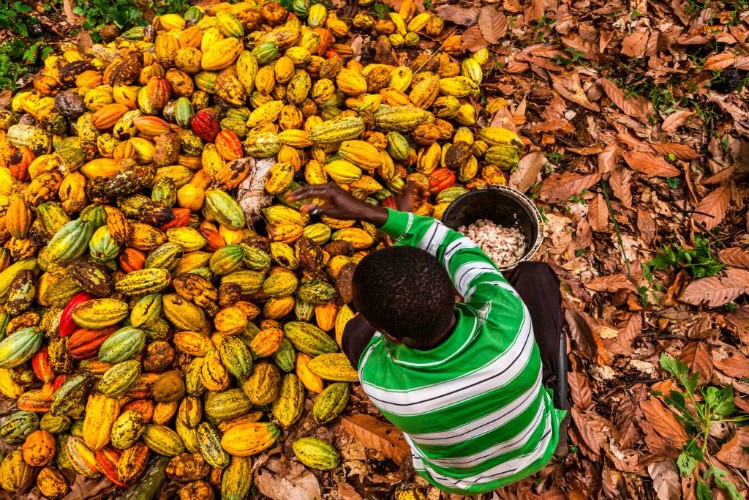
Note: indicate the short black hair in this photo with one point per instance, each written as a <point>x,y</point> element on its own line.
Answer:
<point>405,292</point>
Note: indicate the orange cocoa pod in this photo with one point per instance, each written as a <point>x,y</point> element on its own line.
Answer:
<point>107,458</point>
<point>325,315</point>
<point>133,462</point>
<point>151,125</point>
<point>20,160</point>
<point>131,260</point>
<point>145,407</point>
<point>84,343</point>
<point>106,116</point>
<point>210,233</point>
<point>181,218</point>
<point>229,145</point>
<point>39,448</point>
<point>36,400</point>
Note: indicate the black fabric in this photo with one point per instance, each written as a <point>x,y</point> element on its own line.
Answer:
<point>538,286</point>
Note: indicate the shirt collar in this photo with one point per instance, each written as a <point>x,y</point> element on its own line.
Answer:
<point>467,326</point>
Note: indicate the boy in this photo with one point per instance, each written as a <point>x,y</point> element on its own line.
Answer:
<point>463,381</point>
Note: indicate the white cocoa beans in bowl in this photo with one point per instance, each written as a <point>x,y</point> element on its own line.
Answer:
<point>504,245</point>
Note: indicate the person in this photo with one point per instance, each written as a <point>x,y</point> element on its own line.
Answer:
<point>464,381</point>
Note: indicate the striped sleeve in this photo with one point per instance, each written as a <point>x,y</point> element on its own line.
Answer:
<point>473,273</point>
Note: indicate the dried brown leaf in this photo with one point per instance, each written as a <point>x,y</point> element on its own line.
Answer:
<point>378,435</point>
<point>733,452</point>
<point>719,61</point>
<point>5,97</point>
<point>592,429</point>
<point>585,336</point>
<point>712,209</point>
<point>612,283</point>
<point>628,329</point>
<point>739,317</point>
<point>664,422</point>
<point>680,151</point>
<point>731,362</point>
<point>735,257</point>
<point>568,86</point>
<point>458,15</point>
<point>558,187</point>
<point>635,44</point>
<point>347,492</point>
<point>527,172</point>
<point>473,40</point>
<point>676,120</point>
<point>84,41</point>
<point>719,177</point>
<point>713,291</point>
<point>650,164</point>
<point>598,213</point>
<point>621,185</point>
<point>697,356</point>
<point>607,159</point>
<point>646,224</point>
<point>535,10</point>
<point>492,23</point>
<point>582,396</point>
<point>281,482</point>
<point>665,478</point>
<point>67,9</point>
<point>554,125</point>
<point>629,106</point>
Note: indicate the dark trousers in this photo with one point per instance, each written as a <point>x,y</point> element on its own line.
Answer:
<point>538,286</point>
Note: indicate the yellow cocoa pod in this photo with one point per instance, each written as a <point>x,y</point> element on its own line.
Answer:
<point>250,438</point>
<point>358,238</point>
<point>101,412</point>
<point>264,384</point>
<point>221,54</point>
<point>310,380</point>
<point>213,374</point>
<point>333,366</point>
<point>278,307</point>
<point>343,171</point>
<point>351,82</point>
<point>345,314</point>
<point>230,321</point>
<point>425,92</point>
<point>279,178</point>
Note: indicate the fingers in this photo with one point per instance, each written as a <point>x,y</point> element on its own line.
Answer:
<point>409,187</point>
<point>312,191</point>
<point>313,209</point>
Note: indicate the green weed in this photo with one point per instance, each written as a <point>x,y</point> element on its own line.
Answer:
<point>698,409</point>
<point>698,261</point>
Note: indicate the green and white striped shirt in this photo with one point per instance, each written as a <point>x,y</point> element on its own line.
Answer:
<point>473,409</point>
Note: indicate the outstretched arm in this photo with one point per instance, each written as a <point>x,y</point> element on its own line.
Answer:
<point>473,273</point>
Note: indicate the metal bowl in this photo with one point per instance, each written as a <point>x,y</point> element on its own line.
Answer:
<point>502,205</point>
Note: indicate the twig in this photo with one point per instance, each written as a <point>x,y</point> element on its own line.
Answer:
<point>427,61</point>
<point>604,188</point>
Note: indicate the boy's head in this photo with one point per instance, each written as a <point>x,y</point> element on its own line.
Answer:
<point>406,293</point>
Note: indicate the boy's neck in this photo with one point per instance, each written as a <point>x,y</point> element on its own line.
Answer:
<point>438,340</point>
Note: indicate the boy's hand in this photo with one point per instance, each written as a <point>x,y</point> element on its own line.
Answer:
<point>333,201</point>
<point>404,201</point>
